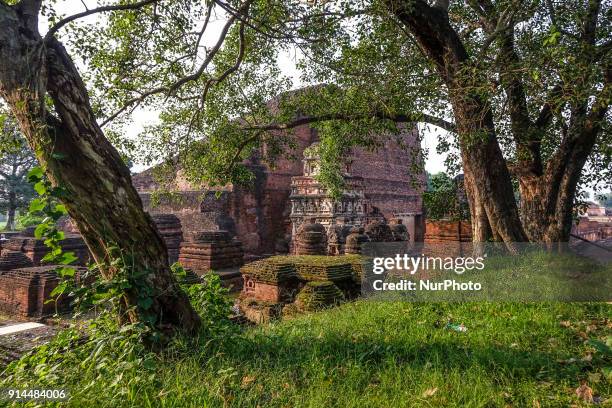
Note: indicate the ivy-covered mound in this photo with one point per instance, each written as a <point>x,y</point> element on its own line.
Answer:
<point>306,268</point>
<point>309,282</point>
<point>319,295</point>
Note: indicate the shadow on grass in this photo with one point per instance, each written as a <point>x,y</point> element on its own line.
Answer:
<point>287,353</point>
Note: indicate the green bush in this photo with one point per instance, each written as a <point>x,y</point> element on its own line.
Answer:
<point>28,220</point>
<point>442,199</point>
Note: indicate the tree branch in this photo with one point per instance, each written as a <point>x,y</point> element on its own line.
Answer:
<point>230,70</point>
<point>170,89</point>
<point>399,118</point>
<point>550,106</point>
<point>102,9</point>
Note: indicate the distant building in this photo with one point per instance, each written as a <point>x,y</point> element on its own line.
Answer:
<point>595,210</point>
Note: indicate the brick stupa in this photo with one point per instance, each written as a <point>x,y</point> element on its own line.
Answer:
<point>169,226</point>
<point>211,250</point>
<point>35,248</point>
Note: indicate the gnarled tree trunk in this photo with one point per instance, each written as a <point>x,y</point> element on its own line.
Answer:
<point>487,179</point>
<point>76,155</point>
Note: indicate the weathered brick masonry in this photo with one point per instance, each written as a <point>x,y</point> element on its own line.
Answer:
<point>259,215</point>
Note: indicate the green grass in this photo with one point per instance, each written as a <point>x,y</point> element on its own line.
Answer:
<point>383,354</point>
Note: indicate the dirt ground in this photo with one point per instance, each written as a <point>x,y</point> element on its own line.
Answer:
<point>12,346</point>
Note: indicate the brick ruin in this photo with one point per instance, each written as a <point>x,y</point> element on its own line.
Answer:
<point>284,285</point>
<point>213,250</point>
<point>381,185</point>
<point>311,202</point>
<point>25,282</point>
<point>220,229</point>
<point>171,231</point>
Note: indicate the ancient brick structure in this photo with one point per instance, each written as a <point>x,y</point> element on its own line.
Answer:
<point>12,260</point>
<point>336,238</point>
<point>311,239</point>
<point>169,226</point>
<point>593,230</point>
<point>379,231</point>
<point>311,200</point>
<point>24,291</point>
<point>399,230</point>
<point>211,250</point>
<point>288,284</point>
<point>447,238</point>
<point>355,240</point>
<point>260,213</point>
<point>447,231</point>
<point>35,249</point>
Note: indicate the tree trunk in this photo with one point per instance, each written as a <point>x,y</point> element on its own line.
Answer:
<point>481,229</point>
<point>488,183</point>
<point>71,147</point>
<point>10,212</point>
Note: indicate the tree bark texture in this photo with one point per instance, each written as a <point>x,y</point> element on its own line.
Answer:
<point>72,148</point>
<point>487,179</point>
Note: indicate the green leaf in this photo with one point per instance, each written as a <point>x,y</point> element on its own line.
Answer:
<point>59,289</point>
<point>66,272</point>
<point>67,258</point>
<point>61,208</point>
<point>40,230</point>
<point>35,175</point>
<point>40,187</point>
<point>37,205</point>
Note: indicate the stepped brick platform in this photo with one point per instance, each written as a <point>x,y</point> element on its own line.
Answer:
<point>170,228</point>
<point>211,250</point>
<point>12,260</point>
<point>24,291</point>
<point>278,284</point>
<point>35,249</point>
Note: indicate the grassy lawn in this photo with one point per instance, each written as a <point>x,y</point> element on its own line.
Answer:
<point>386,354</point>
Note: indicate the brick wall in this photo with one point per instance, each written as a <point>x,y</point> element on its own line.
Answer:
<point>261,211</point>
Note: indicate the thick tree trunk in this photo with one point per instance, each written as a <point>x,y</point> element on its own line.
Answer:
<point>488,183</point>
<point>491,190</point>
<point>76,155</point>
<point>10,212</point>
<point>481,229</point>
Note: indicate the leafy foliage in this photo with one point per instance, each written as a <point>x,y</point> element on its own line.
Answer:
<point>444,199</point>
<point>211,301</point>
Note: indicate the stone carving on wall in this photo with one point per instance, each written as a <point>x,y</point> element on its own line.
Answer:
<point>310,200</point>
